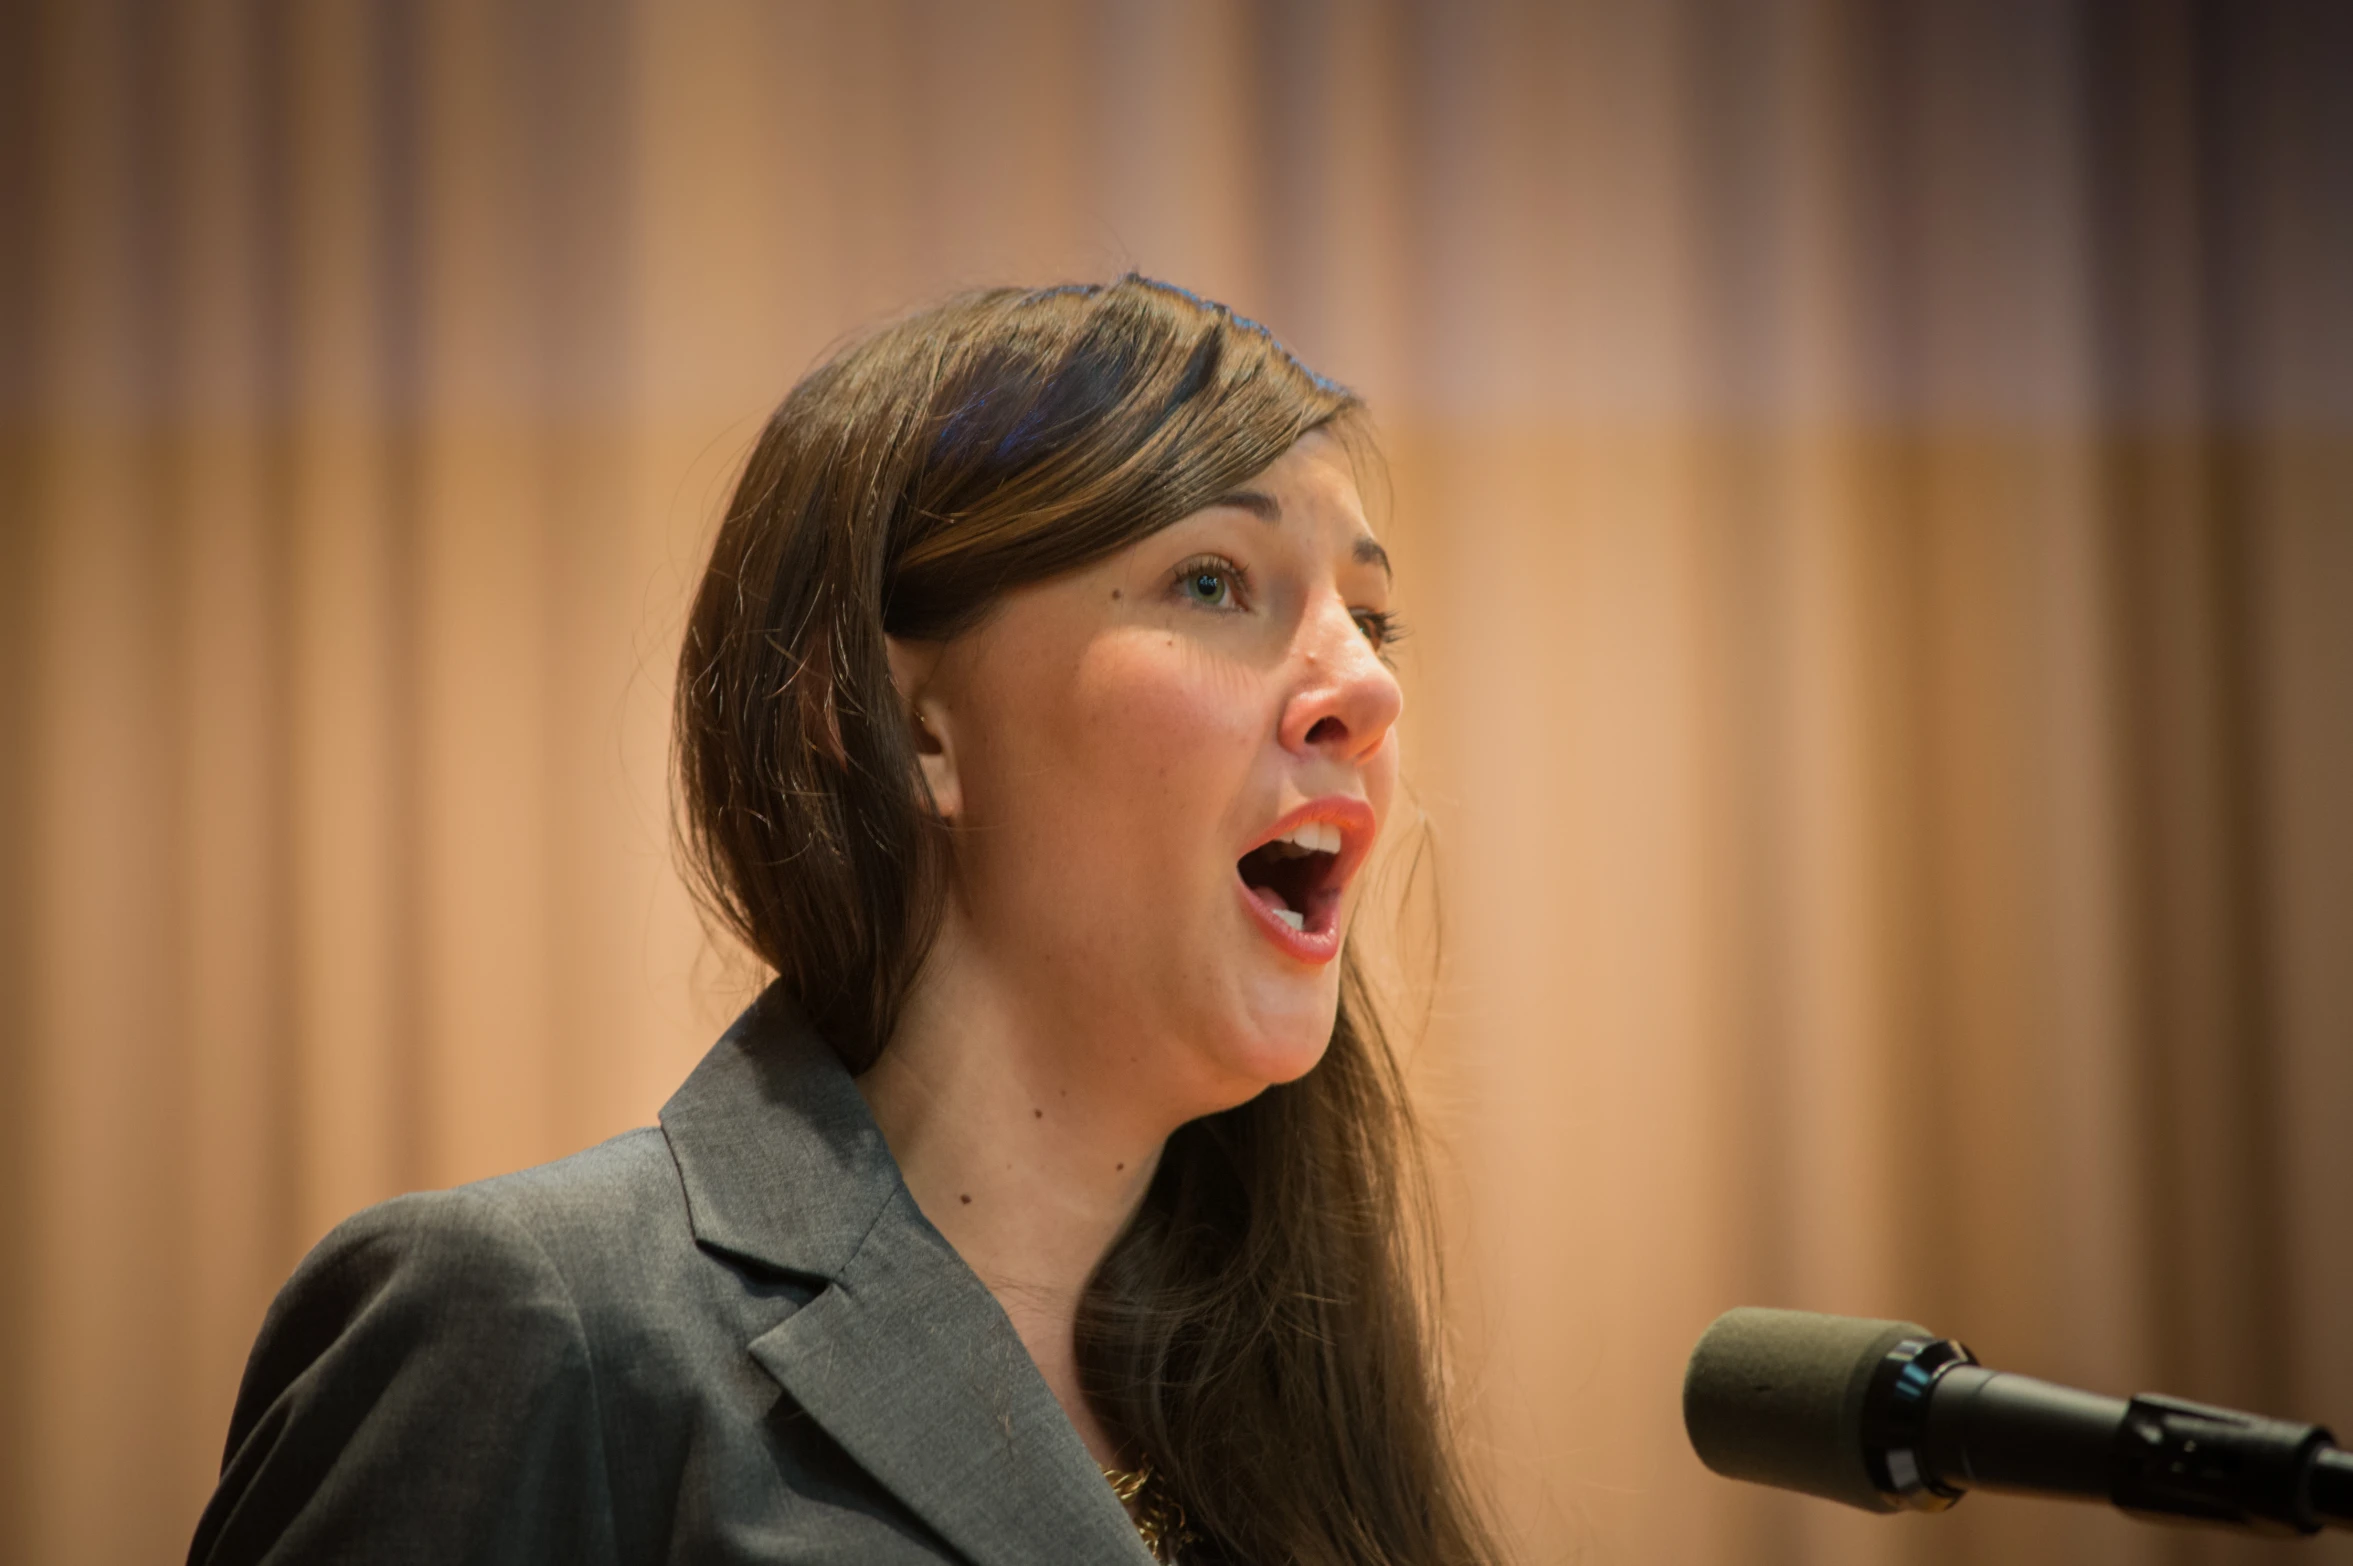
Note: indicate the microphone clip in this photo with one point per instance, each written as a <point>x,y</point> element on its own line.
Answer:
<point>2178,1460</point>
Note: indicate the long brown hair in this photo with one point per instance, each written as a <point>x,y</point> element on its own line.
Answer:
<point>1261,1330</point>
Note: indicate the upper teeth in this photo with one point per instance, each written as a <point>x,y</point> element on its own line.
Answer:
<point>1313,837</point>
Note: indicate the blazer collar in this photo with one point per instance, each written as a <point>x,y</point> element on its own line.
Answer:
<point>782,1164</point>
<point>905,1357</point>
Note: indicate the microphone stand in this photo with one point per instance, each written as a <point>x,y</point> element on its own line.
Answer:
<point>1936,1423</point>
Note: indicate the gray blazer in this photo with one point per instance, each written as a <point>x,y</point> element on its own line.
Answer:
<point>734,1338</point>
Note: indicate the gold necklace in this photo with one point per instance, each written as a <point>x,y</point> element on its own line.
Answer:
<point>1159,1520</point>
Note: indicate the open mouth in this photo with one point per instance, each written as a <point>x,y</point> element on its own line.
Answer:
<point>1295,876</point>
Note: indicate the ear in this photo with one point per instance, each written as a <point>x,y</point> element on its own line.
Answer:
<point>913,665</point>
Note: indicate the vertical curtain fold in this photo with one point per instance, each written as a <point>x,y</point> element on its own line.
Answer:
<point>1871,483</point>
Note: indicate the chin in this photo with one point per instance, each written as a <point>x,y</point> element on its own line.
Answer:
<point>1280,1044</point>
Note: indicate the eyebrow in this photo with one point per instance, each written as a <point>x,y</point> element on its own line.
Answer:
<point>1257,502</point>
<point>1266,508</point>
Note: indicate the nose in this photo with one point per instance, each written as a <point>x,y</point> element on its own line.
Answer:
<point>1347,699</point>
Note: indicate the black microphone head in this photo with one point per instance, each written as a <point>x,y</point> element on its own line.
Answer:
<point>1776,1397</point>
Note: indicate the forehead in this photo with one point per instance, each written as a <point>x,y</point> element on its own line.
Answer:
<point>1318,470</point>
<point>1311,485</point>
<point>1312,490</point>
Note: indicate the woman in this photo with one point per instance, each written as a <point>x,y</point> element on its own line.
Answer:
<point>1032,725</point>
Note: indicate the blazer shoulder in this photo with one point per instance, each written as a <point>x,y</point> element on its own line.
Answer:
<point>422,1388</point>
<point>532,1236</point>
<point>429,1261</point>
<point>592,1198</point>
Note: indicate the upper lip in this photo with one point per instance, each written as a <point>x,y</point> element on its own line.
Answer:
<point>1351,815</point>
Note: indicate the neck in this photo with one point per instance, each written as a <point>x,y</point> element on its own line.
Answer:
<point>1023,1145</point>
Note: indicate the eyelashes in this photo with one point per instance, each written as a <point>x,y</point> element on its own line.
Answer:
<point>1381,627</point>
<point>1217,583</point>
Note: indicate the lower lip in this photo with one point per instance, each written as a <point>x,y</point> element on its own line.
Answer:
<point>1319,943</point>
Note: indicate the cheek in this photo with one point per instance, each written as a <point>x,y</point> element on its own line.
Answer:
<point>1380,777</point>
<point>1120,780</point>
<point>1164,738</point>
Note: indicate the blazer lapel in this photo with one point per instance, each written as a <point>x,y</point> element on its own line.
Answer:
<point>905,1357</point>
<point>910,1364</point>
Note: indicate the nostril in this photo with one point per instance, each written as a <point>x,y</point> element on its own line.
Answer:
<point>1327,731</point>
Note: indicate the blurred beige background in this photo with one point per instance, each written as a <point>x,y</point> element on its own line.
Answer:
<point>1874,486</point>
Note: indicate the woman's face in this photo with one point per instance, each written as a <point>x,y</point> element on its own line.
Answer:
<point>1162,772</point>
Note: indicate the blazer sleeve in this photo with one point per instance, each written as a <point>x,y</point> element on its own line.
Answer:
<point>422,1391</point>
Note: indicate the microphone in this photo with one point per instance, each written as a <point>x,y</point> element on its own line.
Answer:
<point>1887,1416</point>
